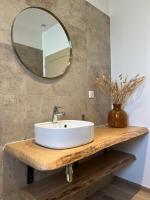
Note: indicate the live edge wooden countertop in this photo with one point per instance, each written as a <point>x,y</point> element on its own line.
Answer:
<point>45,159</point>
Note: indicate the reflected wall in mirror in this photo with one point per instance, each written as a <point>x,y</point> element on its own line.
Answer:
<point>41,42</point>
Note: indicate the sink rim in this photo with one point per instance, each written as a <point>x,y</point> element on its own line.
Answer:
<point>82,125</point>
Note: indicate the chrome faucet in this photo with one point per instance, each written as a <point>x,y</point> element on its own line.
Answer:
<point>56,113</point>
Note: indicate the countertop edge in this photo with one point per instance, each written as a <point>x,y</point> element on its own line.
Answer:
<point>69,158</point>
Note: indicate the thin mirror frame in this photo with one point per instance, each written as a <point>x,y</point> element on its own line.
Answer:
<point>67,35</point>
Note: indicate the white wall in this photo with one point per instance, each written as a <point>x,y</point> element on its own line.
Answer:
<point>103,5</point>
<point>28,37</point>
<point>54,40</point>
<point>130,54</point>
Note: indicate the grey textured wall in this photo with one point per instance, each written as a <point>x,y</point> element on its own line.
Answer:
<point>26,99</point>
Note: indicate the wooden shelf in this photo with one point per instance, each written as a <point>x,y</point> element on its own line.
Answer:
<point>87,173</point>
<point>45,159</point>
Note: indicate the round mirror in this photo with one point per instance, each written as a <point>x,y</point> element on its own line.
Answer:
<point>41,42</point>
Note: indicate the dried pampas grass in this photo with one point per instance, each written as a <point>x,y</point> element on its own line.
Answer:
<point>120,89</point>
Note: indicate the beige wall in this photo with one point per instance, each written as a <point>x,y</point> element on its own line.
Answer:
<point>103,5</point>
<point>26,99</point>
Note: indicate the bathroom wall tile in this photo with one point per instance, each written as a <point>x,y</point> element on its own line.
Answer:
<point>8,58</point>
<point>8,13</point>
<point>15,172</point>
<point>73,11</point>
<point>98,60</point>
<point>26,99</point>
<point>42,3</point>
<point>69,11</point>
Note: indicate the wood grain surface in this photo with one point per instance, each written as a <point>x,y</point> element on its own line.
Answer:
<point>87,173</point>
<point>45,159</point>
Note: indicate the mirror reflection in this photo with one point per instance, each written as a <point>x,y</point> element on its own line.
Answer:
<point>41,42</point>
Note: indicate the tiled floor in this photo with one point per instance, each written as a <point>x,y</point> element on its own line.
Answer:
<point>120,190</point>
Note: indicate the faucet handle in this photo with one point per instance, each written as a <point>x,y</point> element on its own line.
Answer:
<point>56,108</point>
<point>56,113</point>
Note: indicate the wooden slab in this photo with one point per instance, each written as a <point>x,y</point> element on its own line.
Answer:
<point>45,159</point>
<point>86,174</point>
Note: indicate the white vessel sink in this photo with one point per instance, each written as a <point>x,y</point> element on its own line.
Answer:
<point>64,134</point>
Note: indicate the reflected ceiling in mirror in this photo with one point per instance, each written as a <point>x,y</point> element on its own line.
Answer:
<point>41,42</point>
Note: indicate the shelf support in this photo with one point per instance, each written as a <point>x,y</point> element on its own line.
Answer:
<point>30,175</point>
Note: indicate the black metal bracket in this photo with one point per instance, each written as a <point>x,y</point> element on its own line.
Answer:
<point>76,164</point>
<point>106,150</point>
<point>30,175</point>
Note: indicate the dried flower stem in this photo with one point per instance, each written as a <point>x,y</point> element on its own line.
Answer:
<point>120,89</point>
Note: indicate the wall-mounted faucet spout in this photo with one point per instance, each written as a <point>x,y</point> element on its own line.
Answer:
<point>69,173</point>
<point>56,113</point>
